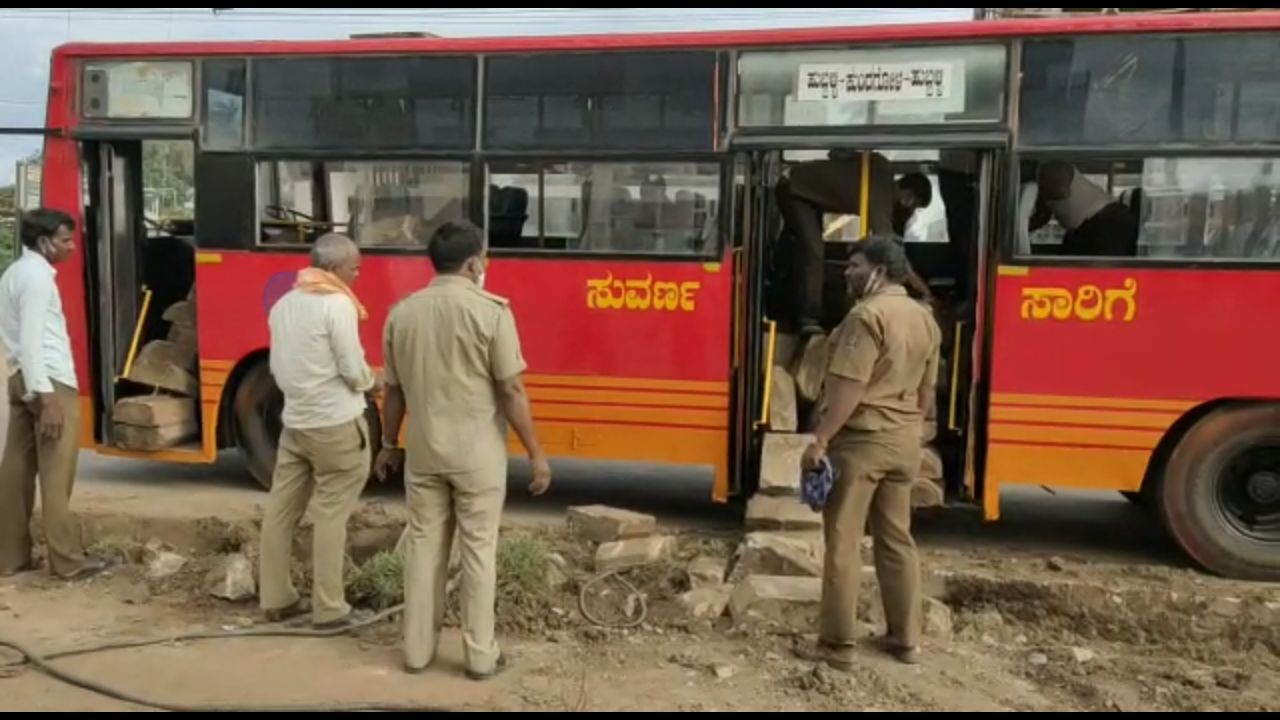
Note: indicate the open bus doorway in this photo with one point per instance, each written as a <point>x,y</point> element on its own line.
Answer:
<point>140,254</point>
<point>946,238</point>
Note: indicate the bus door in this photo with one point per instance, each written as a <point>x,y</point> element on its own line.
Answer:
<point>952,267</point>
<point>140,256</point>
<point>756,333</point>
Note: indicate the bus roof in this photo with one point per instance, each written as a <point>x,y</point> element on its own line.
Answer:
<point>924,32</point>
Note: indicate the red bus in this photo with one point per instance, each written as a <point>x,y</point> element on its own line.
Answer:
<point>625,182</point>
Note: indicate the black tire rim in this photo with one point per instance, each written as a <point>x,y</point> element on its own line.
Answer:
<point>1247,498</point>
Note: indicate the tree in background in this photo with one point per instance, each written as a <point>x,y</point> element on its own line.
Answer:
<point>8,222</point>
<point>168,177</point>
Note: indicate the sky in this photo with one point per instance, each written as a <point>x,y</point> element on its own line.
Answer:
<point>28,35</point>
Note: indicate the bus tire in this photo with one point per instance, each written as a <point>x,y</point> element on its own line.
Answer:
<point>1224,471</point>
<point>257,406</point>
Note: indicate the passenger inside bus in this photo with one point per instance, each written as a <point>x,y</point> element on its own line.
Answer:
<point>809,189</point>
<point>1096,224</point>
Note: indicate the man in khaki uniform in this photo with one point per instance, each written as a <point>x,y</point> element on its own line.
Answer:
<point>43,437</point>
<point>323,460</point>
<point>880,382</point>
<point>452,359</point>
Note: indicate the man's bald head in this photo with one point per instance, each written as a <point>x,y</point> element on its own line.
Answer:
<point>337,254</point>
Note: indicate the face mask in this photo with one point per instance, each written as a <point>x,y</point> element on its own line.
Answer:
<point>479,274</point>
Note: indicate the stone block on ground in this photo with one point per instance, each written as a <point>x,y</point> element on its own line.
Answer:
<point>706,603</point>
<point>783,409</point>
<point>602,524</point>
<point>232,578</point>
<point>771,512</point>
<point>761,597</point>
<point>706,571</point>
<point>794,554</point>
<point>634,552</point>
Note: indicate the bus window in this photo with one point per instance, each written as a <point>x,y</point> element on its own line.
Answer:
<point>609,100</point>
<point>378,204</point>
<point>1109,90</point>
<point>1193,208</point>
<point>605,207</point>
<point>396,204</point>
<point>368,103</point>
<point>286,201</point>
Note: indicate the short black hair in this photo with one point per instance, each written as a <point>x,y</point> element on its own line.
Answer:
<point>44,223</point>
<point>453,244</point>
<point>886,251</point>
<point>919,185</point>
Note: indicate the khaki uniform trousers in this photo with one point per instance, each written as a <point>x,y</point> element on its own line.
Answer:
<point>469,503</point>
<point>26,457</point>
<point>876,471</point>
<point>326,469</point>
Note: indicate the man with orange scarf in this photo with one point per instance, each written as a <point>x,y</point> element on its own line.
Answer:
<point>324,455</point>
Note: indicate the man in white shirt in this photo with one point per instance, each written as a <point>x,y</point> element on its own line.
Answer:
<point>44,406</point>
<point>324,456</point>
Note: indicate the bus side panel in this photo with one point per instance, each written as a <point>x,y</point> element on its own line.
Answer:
<point>61,190</point>
<point>627,360</point>
<point>1091,366</point>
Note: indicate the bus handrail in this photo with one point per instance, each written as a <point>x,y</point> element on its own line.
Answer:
<point>771,348</point>
<point>137,333</point>
<point>955,376</point>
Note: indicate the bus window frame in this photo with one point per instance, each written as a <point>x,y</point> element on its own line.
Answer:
<point>82,65</point>
<point>252,111</point>
<point>713,252</point>
<point>467,159</point>
<point>1017,70</point>
<point>1007,246</point>
<point>1007,214</point>
<point>592,115</point>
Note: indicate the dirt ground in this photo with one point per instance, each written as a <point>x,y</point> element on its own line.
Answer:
<point>1018,633</point>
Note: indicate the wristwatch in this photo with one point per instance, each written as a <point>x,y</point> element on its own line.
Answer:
<point>391,444</point>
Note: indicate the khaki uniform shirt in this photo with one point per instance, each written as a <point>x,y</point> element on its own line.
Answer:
<point>890,343</point>
<point>835,186</point>
<point>446,347</point>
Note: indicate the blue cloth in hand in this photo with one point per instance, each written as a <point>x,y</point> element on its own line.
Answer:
<point>816,484</point>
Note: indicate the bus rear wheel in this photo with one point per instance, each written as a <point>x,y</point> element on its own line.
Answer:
<point>258,406</point>
<point>1220,494</point>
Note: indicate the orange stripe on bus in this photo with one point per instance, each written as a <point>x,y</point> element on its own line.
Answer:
<point>1064,436</point>
<point>1081,417</point>
<point>1081,401</point>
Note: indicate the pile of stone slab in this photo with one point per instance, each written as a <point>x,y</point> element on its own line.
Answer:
<point>775,571</point>
<point>168,415</point>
